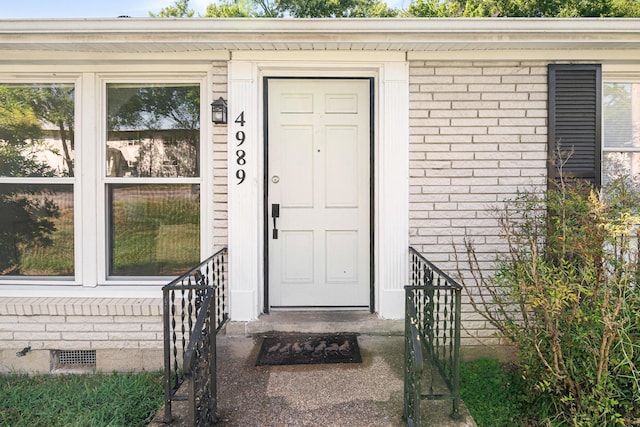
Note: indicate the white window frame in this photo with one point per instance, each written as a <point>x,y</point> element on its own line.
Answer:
<point>75,80</point>
<point>104,181</point>
<point>616,74</point>
<point>90,216</point>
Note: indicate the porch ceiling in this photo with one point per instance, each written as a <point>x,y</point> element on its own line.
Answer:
<point>153,35</point>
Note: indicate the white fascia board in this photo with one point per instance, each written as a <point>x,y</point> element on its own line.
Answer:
<point>500,32</point>
<point>566,55</point>
<point>198,57</point>
<point>328,25</point>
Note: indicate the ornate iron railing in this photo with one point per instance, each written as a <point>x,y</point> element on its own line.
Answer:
<point>195,307</point>
<point>432,337</point>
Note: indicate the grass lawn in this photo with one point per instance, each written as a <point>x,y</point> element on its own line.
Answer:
<point>119,399</point>
<point>493,393</point>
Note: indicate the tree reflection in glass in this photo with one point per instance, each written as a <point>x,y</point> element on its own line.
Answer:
<point>153,130</point>
<point>36,144</point>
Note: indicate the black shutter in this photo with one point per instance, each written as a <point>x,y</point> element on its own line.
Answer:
<point>575,109</point>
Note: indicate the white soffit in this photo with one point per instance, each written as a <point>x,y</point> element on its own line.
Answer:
<point>158,35</point>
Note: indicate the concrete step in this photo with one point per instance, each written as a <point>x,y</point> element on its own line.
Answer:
<point>309,321</point>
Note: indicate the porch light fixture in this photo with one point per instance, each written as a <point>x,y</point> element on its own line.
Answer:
<point>219,111</point>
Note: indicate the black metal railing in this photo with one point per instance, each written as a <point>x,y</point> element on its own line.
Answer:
<point>195,307</point>
<point>432,337</point>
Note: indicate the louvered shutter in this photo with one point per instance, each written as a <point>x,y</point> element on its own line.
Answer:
<point>575,106</point>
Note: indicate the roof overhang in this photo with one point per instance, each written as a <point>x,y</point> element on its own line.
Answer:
<point>159,35</point>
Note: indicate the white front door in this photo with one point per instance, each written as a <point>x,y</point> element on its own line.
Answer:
<point>318,177</point>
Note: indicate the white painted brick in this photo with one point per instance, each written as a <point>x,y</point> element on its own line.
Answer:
<point>485,181</point>
<point>465,71</point>
<point>502,113</point>
<point>457,96</point>
<point>487,88</point>
<point>497,138</point>
<point>530,105</point>
<point>133,336</point>
<point>511,130</point>
<point>526,79</point>
<point>442,88</point>
<point>520,97</point>
<point>490,81</point>
<point>521,87</point>
<point>8,319</point>
<point>475,148</point>
<point>523,122</point>
<point>117,327</point>
<point>84,336</point>
<point>113,344</point>
<point>452,156</point>
<point>19,327</point>
<point>474,122</point>
<point>466,130</point>
<point>36,336</point>
<point>503,72</point>
<point>432,105</point>
<point>77,327</point>
<point>473,165</point>
<point>89,319</point>
<point>447,139</point>
<point>479,105</point>
<point>432,80</point>
<point>37,319</point>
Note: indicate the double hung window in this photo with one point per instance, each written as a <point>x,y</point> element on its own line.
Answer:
<point>621,125</point>
<point>37,180</point>
<point>152,184</point>
<point>100,188</point>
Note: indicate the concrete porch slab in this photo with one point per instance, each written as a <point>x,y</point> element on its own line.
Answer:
<point>360,322</point>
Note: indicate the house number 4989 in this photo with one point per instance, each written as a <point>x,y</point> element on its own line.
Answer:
<point>241,160</point>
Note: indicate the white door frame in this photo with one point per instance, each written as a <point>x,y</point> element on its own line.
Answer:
<point>391,168</point>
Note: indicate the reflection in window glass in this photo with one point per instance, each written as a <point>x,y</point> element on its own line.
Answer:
<point>155,229</point>
<point>36,143</point>
<point>621,141</point>
<point>36,230</point>
<point>36,130</point>
<point>153,130</point>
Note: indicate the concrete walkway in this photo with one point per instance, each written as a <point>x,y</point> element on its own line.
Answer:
<point>365,394</point>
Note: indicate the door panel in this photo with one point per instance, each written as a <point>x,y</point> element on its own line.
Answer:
<point>318,173</point>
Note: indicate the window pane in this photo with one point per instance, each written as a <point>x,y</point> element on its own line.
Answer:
<point>622,115</point>
<point>618,165</point>
<point>36,130</point>
<point>154,229</point>
<point>36,230</point>
<point>153,130</point>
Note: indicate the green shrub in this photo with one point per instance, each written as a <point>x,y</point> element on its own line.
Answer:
<point>566,294</point>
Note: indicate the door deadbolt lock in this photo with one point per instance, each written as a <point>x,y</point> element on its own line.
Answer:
<point>275,179</point>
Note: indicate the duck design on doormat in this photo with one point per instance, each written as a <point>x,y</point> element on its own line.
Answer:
<point>309,349</point>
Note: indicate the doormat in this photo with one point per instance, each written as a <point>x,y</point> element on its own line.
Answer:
<point>309,349</point>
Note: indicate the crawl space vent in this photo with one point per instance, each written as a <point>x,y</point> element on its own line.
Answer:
<point>69,359</point>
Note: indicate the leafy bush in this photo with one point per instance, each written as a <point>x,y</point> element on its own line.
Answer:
<point>566,294</point>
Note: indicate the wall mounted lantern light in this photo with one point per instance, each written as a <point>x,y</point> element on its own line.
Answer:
<point>219,111</point>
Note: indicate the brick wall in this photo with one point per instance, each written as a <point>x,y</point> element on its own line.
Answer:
<point>127,334</point>
<point>478,134</point>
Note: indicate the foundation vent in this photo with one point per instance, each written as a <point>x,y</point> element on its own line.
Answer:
<point>74,359</point>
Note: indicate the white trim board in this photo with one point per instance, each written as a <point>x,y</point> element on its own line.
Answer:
<point>245,226</point>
